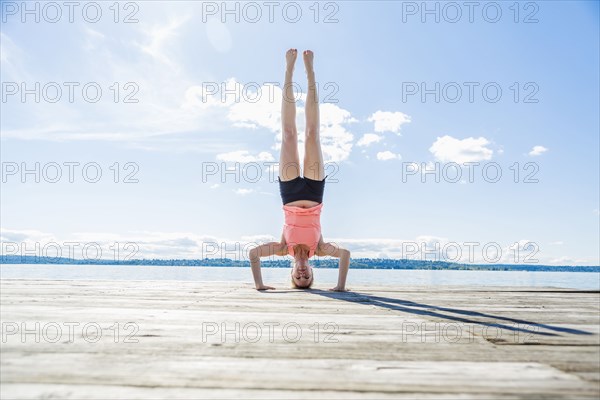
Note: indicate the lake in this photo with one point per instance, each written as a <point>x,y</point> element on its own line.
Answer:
<point>326,277</point>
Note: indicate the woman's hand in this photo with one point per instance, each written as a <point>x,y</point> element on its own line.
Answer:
<point>339,289</point>
<point>264,287</point>
<point>264,250</point>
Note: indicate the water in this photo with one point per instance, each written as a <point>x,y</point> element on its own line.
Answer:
<point>323,277</point>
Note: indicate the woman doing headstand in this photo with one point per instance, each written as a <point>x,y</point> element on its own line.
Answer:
<point>302,196</point>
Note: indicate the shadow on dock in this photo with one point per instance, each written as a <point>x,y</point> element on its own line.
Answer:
<point>436,311</point>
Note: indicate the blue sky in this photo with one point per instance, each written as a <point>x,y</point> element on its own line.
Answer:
<point>371,129</point>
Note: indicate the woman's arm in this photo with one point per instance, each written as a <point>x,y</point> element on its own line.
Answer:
<point>264,250</point>
<point>333,250</point>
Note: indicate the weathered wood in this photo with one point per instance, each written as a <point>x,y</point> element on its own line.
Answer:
<point>226,340</point>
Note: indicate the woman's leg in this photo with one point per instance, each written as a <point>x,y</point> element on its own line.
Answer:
<point>289,160</point>
<point>313,156</point>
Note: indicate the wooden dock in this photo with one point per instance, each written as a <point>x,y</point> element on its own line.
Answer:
<point>169,339</point>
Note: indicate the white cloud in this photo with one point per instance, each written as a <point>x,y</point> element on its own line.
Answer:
<point>243,156</point>
<point>449,149</point>
<point>259,108</point>
<point>93,39</point>
<point>272,170</point>
<point>336,140</point>
<point>30,235</point>
<point>159,37</point>
<point>569,261</point>
<point>387,155</point>
<point>537,150</point>
<point>148,124</point>
<point>5,53</point>
<point>562,260</point>
<point>243,192</point>
<point>12,59</point>
<point>208,95</point>
<point>157,86</point>
<point>140,244</point>
<point>262,109</point>
<point>386,121</point>
<point>368,139</point>
<point>174,112</point>
<point>168,245</point>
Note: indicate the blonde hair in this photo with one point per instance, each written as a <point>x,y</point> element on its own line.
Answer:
<point>303,250</point>
<point>294,286</point>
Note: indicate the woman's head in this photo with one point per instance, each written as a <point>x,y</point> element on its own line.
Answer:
<point>302,273</point>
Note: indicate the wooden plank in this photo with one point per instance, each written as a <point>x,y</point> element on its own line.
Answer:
<point>102,392</point>
<point>225,340</point>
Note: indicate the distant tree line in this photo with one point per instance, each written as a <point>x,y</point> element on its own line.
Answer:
<point>356,263</point>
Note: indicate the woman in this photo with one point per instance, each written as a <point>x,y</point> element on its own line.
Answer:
<point>302,195</point>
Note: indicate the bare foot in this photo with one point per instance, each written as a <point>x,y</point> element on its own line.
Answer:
<point>290,58</point>
<point>308,60</point>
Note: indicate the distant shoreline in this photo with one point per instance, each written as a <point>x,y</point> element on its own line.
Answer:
<point>356,263</point>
